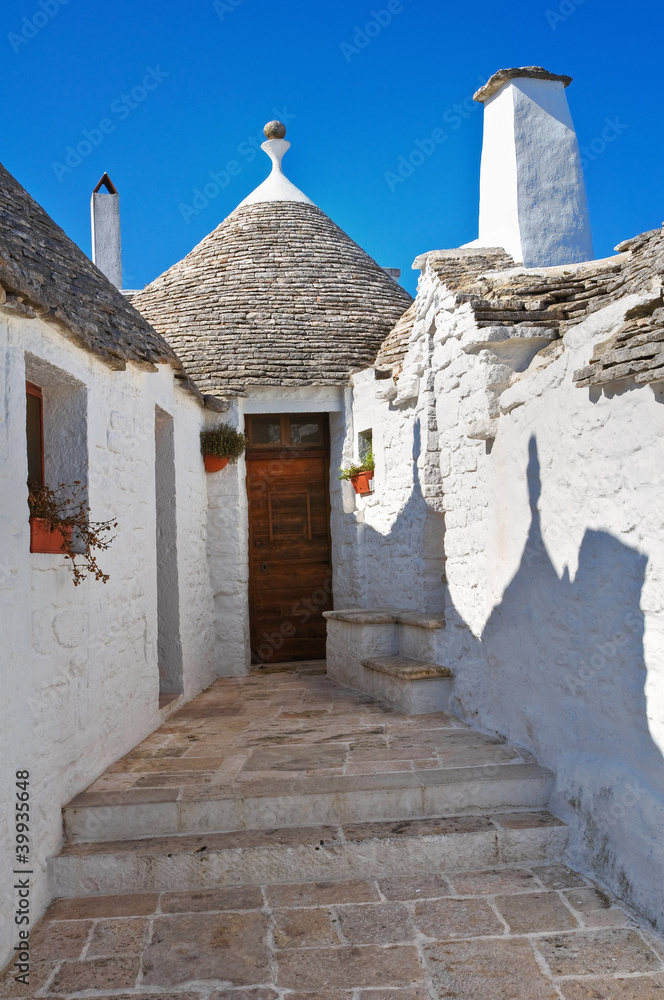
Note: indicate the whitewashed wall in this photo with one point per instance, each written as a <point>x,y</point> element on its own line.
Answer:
<point>79,665</point>
<point>390,543</point>
<point>227,548</point>
<point>554,559</point>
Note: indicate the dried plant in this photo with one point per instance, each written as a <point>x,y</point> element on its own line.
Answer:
<point>66,510</point>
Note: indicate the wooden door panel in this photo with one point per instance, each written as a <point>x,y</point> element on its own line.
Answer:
<point>289,556</point>
<point>271,626</point>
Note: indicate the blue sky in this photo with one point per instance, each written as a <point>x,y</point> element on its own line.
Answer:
<point>202,79</point>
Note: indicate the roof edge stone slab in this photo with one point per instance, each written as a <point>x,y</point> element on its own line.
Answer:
<point>504,76</point>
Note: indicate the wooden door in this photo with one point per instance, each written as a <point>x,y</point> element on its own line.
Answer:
<point>290,575</point>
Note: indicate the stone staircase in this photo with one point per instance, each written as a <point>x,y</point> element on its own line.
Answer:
<point>335,791</point>
<point>315,853</point>
<point>284,838</point>
<point>392,655</point>
<point>508,782</point>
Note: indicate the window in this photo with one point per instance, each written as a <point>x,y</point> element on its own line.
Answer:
<point>287,430</point>
<point>56,425</point>
<point>56,432</point>
<point>35,434</point>
<point>265,430</point>
<point>364,444</point>
<point>305,430</point>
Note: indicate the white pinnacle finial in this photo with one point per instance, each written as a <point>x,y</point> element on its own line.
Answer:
<point>277,187</point>
<point>275,149</point>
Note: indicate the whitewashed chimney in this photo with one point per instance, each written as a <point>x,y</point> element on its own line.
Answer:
<point>106,244</point>
<point>532,192</point>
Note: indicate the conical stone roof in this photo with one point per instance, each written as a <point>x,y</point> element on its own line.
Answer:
<point>42,273</point>
<point>277,295</point>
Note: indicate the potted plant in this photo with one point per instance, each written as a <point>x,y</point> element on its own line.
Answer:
<point>360,475</point>
<point>221,445</point>
<point>60,523</point>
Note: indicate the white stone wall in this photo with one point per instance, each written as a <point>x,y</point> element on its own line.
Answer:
<point>80,664</point>
<point>554,559</point>
<point>227,548</point>
<point>392,540</point>
<point>568,540</point>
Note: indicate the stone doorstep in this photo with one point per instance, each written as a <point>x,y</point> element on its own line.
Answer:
<point>403,795</point>
<point>256,857</point>
<point>387,616</point>
<point>406,669</point>
<point>307,668</point>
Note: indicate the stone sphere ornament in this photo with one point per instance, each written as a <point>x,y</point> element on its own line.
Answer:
<point>275,130</point>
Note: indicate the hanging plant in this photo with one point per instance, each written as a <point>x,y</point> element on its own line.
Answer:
<point>60,522</point>
<point>221,445</point>
<point>360,475</point>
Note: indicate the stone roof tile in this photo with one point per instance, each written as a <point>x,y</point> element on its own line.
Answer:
<point>636,350</point>
<point>395,346</point>
<point>276,295</point>
<point>498,293</point>
<point>43,273</point>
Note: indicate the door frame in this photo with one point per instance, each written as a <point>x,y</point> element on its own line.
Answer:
<point>284,452</point>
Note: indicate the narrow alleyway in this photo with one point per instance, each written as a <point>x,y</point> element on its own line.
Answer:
<point>280,837</point>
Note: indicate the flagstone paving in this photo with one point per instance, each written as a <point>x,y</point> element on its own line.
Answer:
<point>542,932</point>
<point>251,734</point>
<point>531,931</point>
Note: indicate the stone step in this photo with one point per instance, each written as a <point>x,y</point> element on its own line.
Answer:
<point>257,857</point>
<point>409,685</point>
<point>364,642</point>
<point>407,669</point>
<point>387,616</point>
<point>133,813</point>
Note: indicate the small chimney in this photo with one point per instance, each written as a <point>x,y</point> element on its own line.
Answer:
<point>532,192</point>
<point>106,246</point>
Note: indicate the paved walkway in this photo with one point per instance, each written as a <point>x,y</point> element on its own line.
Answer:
<point>246,734</point>
<point>533,931</point>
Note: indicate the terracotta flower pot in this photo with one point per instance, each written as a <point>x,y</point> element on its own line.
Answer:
<point>214,464</point>
<point>362,482</point>
<point>46,538</point>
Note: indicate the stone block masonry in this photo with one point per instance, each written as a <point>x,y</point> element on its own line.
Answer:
<point>549,451</point>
